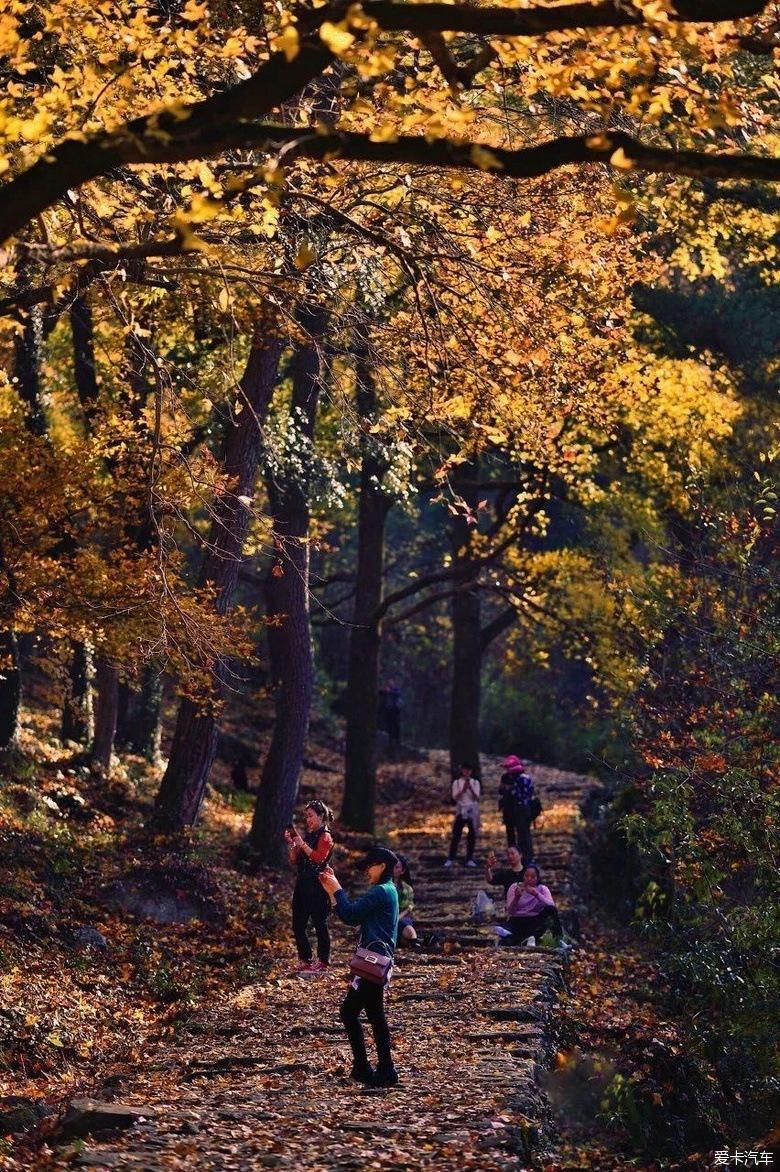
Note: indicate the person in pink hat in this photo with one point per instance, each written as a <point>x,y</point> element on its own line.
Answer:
<point>515,795</point>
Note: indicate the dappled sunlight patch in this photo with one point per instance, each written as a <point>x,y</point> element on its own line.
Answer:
<point>559,816</point>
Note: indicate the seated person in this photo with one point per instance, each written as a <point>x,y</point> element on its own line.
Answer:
<point>505,876</point>
<point>407,933</point>
<point>530,910</point>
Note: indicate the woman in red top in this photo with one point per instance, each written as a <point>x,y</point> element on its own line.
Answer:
<point>310,854</point>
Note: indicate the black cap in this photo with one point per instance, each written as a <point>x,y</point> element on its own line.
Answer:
<point>377,854</point>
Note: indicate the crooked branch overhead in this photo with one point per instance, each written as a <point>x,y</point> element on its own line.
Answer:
<point>615,147</point>
<point>228,120</point>
<point>533,22</point>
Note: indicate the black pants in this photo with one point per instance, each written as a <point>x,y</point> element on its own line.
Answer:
<point>457,831</point>
<point>309,903</point>
<point>518,831</point>
<point>522,927</point>
<point>371,998</point>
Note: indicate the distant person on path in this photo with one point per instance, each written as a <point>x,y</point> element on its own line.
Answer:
<point>466,792</point>
<point>515,795</point>
<point>377,914</point>
<point>238,775</point>
<point>505,876</point>
<point>403,882</point>
<point>393,713</point>
<point>381,715</point>
<point>530,910</point>
<point>309,853</point>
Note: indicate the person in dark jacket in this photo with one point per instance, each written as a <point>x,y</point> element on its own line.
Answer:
<point>393,713</point>
<point>511,873</point>
<point>239,776</point>
<point>515,796</point>
<point>377,914</point>
<point>308,853</point>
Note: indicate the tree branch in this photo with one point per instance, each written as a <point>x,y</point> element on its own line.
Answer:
<point>414,588</point>
<point>523,163</point>
<point>423,604</point>
<point>17,207</point>
<point>221,122</point>
<point>198,130</point>
<point>500,623</point>
<point>534,22</point>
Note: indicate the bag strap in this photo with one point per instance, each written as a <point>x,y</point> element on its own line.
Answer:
<point>380,947</point>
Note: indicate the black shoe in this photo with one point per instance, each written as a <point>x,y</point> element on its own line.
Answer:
<point>362,1074</point>
<point>386,1079</point>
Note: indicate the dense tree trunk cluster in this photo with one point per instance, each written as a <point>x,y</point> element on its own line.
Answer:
<point>257,114</point>
<point>363,672</point>
<point>195,735</point>
<point>287,596</point>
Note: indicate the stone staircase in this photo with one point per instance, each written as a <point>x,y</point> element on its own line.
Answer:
<point>261,1082</point>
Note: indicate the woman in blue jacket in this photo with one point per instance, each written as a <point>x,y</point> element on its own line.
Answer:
<point>377,914</point>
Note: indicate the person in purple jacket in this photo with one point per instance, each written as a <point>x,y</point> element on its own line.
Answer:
<point>530,910</point>
<point>515,797</point>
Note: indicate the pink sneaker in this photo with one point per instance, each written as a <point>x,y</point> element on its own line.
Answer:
<point>318,966</point>
<point>305,966</point>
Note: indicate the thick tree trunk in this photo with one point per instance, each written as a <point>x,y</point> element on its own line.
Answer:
<point>106,702</point>
<point>193,749</point>
<point>287,608</point>
<point>140,709</point>
<point>84,356</point>
<point>26,376</point>
<point>359,802</point>
<point>10,689</point>
<point>195,736</point>
<point>77,710</point>
<point>124,714</point>
<point>26,365</point>
<point>146,726</point>
<point>466,635</point>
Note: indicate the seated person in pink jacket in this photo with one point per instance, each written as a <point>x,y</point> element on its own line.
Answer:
<point>530,910</point>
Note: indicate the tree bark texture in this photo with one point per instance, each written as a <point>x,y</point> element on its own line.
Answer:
<point>358,808</point>
<point>465,693</point>
<point>10,689</point>
<point>26,367</point>
<point>106,706</point>
<point>140,712</point>
<point>287,607</point>
<point>146,726</point>
<point>77,708</point>
<point>84,355</point>
<point>195,735</point>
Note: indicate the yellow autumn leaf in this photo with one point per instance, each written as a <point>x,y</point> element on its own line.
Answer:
<point>384,133</point>
<point>194,12</point>
<point>620,159</point>
<point>485,159</point>
<point>305,256</point>
<point>337,37</point>
<point>288,42</point>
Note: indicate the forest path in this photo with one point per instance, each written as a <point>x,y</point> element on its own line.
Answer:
<point>260,1082</point>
